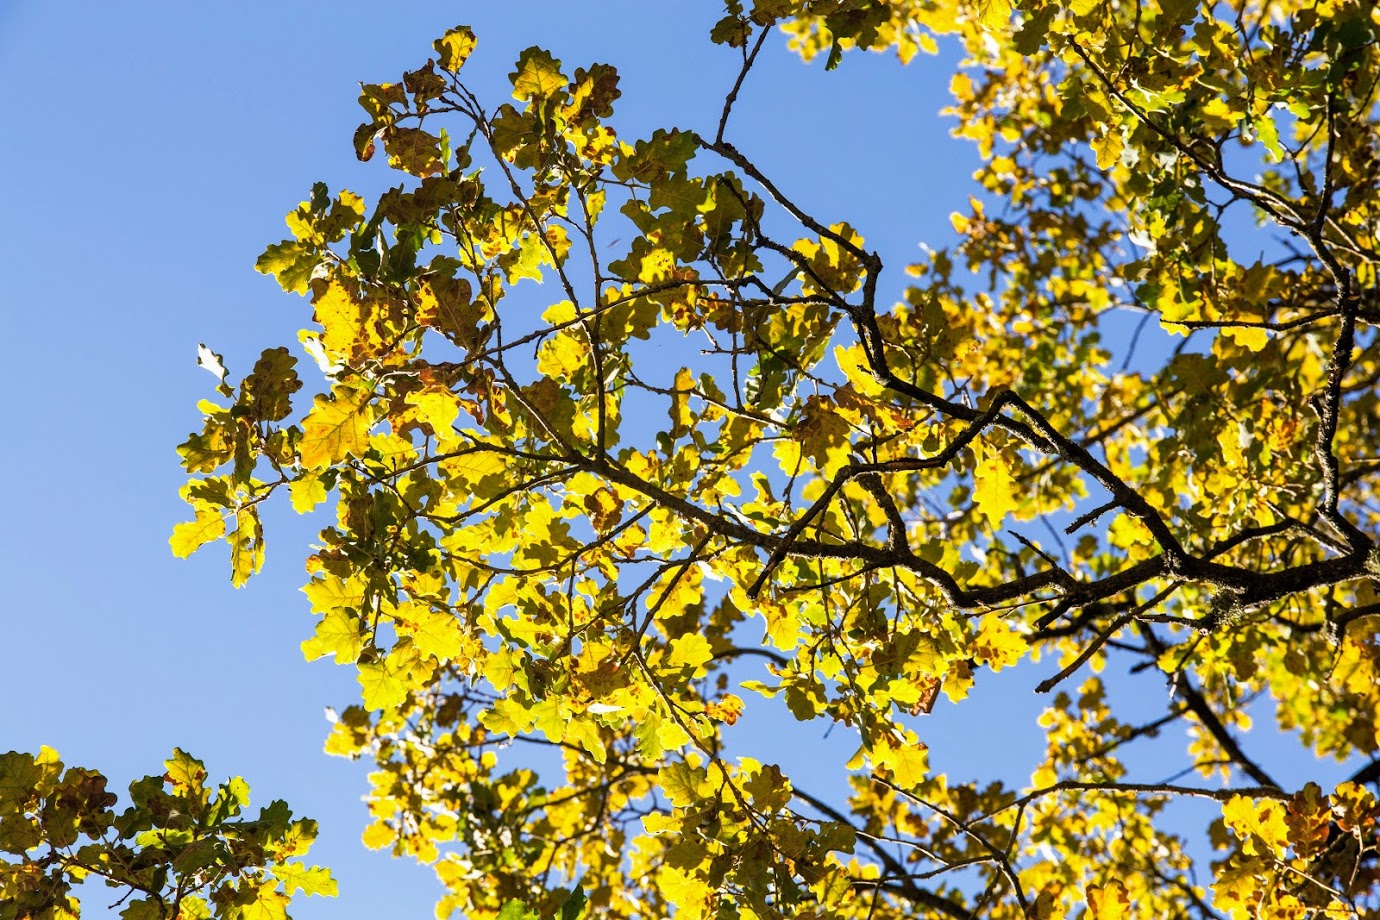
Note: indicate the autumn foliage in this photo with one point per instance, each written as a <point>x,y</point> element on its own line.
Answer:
<point>619,443</point>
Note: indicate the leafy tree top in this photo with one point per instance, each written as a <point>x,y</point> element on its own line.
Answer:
<point>621,440</point>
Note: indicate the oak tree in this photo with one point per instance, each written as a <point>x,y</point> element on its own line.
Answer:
<point>621,443</point>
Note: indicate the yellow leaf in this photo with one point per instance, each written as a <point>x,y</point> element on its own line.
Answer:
<point>1354,807</point>
<point>691,650</point>
<point>336,427</point>
<point>339,633</point>
<point>996,645</point>
<point>1257,824</point>
<point>1047,906</point>
<point>188,537</point>
<point>384,682</point>
<point>187,774</point>
<point>728,708</point>
<point>1218,115</point>
<point>586,735</point>
<point>686,891</point>
<point>1251,337</point>
<point>313,880</point>
<point>909,763</point>
<point>307,491</point>
<point>683,782</point>
<point>508,716</point>
<point>561,356</point>
<point>1108,902</point>
<point>1229,439</point>
<point>437,406</point>
<point>378,835</point>
<point>246,546</point>
<point>783,626</point>
<point>267,903</point>
<point>852,360</point>
<point>329,592</point>
<point>446,305</point>
<point>1108,148</point>
<point>434,633</point>
<point>994,14</point>
<point>671,736</point>
<point>682,420</point>
<point>559,313</point>
<point>994,488</point>
<point>414,151</point>
<point>1237,888</point>
<point>342,317</point>
<point>469,469</point>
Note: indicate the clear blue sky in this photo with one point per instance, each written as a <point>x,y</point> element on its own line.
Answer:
<point>150,152</point>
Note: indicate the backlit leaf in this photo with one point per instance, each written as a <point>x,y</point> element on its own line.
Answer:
<point>337,427</point>
<point>455,47</point>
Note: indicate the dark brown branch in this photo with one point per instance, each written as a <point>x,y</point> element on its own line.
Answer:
<point>1370,773</point>
<point>1084,519</point>
<point>775,658</point>
<point>732,97</point>
<point>1198,705</point>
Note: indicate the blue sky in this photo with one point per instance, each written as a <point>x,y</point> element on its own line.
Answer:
<point>151,151</point>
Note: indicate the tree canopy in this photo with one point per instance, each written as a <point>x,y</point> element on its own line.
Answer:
<point>622,442</point>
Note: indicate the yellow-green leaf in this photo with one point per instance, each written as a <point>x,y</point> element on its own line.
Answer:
<point>307,491</point>
<point>455,47</point>
<point>538,75</point>
<point>294,877</point>
<point>190,536</point>
<point>340,633</point>
<point>337,427</point>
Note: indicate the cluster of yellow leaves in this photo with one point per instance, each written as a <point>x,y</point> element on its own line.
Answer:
<point>1304,857</point>
<point>565,527</point>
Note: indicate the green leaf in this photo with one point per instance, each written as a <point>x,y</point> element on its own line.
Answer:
<point>732,31</point>
<point>574,906</point>
<point>516,910</point>
<point>143,909</point>
<point>1031,36</point>
<point>292,262</point>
